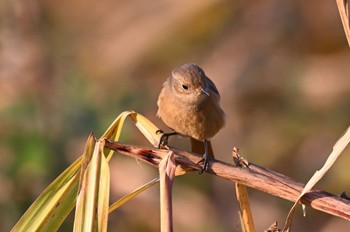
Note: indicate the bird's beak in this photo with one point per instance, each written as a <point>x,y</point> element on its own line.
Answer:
<point>205,91</point>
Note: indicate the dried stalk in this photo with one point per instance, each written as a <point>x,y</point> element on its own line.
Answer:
<point>343,7</point>
<point>254,176</point>
<point>167,169</point>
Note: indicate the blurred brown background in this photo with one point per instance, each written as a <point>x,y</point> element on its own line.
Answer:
<point>70,67</point>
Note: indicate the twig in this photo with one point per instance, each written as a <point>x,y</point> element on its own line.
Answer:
<point>256,177</point>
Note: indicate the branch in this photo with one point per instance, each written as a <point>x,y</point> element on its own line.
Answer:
<point>254,176</point>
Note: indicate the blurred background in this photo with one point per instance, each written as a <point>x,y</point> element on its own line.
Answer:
<point>68,68</point>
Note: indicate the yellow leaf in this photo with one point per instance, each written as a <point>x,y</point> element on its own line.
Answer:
<point>338,148</point>
<point>133,194</point>
<point>244,208</point>
<point>92,201</point>
<point>51,208</point>
<point>147,128</point>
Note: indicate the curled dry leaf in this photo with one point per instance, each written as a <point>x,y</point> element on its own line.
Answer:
<point>337,150</point>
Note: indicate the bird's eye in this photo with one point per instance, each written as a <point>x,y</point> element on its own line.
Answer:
<point>185,87</point>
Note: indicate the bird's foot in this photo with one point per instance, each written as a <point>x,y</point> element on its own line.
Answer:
<point>205,161</point>
<point>164,139</point>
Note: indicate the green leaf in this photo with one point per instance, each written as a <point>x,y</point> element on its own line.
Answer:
<point>52,207</point>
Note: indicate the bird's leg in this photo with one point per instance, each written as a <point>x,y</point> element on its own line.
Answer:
<point>164,139</point>
<point>205,158</point>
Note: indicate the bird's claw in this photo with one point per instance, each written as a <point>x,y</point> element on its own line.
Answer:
<point>164,138</point>
<point>205,161</point>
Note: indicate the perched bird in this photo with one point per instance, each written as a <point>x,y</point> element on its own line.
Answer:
<point>189,104</point>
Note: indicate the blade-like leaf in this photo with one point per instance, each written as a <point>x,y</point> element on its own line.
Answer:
<point>244,208</point>
<point>336,152</point>
<point>51,208</point>
<point>86,157</point>
<point>103,195</point>
<point>86,160</point>
<point>92,202</point>
<point>343,7</point>
<point>131,195</point>
<point>147,128</point>
<point>114,130</point>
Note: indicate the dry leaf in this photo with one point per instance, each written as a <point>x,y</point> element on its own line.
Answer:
<point>244,208</point>
<point>343,7</point>
<point>337,150</point>
<point>242,195</point>
<point>167,169</point>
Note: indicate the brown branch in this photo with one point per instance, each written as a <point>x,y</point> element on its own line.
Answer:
<point>254,176</point>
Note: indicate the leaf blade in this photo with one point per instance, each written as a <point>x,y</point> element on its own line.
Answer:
<point>56,201</point>
<point>92,201</point>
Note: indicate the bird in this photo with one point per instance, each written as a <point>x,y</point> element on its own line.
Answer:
<point>189,104</point>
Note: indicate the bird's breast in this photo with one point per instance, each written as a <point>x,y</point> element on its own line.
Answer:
<point>201,120</point>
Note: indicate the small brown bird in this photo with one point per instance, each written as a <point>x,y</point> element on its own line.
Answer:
<point>189,104</point>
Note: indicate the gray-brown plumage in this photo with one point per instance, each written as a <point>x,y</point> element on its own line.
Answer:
<point>189,104</point>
